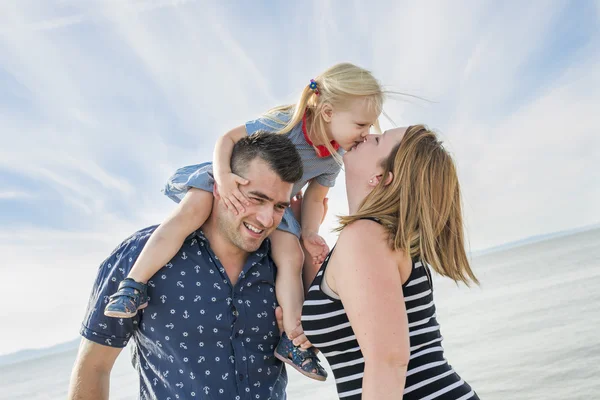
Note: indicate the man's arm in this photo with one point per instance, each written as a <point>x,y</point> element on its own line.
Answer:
<point>104,337</point>
<point>90,379</point>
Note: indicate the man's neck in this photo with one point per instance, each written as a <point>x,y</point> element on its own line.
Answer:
<point>232,257</point>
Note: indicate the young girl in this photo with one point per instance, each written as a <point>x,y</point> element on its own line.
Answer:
<point>334,114</point>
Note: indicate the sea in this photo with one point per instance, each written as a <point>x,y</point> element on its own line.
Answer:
<point>531,330</point>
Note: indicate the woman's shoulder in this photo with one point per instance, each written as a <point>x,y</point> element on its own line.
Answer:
<point>364,232</point>
<point>363,254</point>
<point>368,235</point>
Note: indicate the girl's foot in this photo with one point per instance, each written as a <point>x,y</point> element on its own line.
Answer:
<point>304,361</point>
<point>130,298</point>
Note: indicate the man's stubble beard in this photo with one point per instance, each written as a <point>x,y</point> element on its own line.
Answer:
<point>230,229</point>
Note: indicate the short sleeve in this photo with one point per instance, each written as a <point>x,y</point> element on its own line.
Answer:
<point>267,124</point>
<point>328,179</point>
<point>96,327</point>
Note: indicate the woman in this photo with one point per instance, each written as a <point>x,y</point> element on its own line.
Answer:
<point>370,309</point>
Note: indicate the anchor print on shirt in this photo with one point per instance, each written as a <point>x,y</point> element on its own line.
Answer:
<point>166,325</point>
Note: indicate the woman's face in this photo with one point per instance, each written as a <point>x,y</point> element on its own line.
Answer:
<point>364,160</point>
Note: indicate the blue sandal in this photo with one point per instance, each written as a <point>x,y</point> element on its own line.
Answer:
<point>131,297</point>
<point>304,361</point>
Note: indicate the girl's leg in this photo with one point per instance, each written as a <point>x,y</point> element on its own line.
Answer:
<point>166,240</point>
<point>289,258</point>
<point>288,255</point>
<point>161,247</point>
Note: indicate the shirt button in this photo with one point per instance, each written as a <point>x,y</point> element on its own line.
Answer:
<point>241,377</point>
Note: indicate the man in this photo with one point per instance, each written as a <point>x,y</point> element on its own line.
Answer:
<point>209,330</point>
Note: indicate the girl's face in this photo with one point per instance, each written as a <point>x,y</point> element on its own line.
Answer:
<point>350,126</point>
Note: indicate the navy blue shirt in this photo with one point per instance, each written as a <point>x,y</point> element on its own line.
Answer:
<point>200,336</point>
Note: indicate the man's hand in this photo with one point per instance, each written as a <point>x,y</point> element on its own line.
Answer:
<point>297,335</point>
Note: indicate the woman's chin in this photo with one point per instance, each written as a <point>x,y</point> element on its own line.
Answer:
<point>348,159</point>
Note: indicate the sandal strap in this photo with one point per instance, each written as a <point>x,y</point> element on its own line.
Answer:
<point>124,293</point>
<point>128,288</point>
<point>307,354</point>
<point>130,283</point>
<point>313,364</point>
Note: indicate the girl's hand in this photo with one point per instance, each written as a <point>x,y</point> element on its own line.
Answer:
<point>233,199</point>
<point>316,247</point>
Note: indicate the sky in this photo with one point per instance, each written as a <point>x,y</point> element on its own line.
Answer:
<point>102,100</point>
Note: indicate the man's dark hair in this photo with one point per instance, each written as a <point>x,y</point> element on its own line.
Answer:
<point>276,150</point>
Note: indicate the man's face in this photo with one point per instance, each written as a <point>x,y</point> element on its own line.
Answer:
<point>269,196</point>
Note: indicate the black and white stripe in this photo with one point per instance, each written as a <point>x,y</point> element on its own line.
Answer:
<point>429,375</point>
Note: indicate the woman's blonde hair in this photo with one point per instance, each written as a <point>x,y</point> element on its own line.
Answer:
<point>421,206</point>
<point>337,86</point>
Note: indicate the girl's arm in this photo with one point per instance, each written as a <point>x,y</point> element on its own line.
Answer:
<point>313,210</point>
<point>228,181</point>
<point>367,278</point>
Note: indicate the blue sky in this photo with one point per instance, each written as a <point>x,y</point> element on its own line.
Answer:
<point>102,100</point>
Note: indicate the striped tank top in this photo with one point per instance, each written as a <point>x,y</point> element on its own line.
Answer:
<point>429,376</point>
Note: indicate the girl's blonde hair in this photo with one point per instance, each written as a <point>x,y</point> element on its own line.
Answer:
<point>337,86</point>
<point>421,207</point>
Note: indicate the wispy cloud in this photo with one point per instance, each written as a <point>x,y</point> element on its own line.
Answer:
<point>14,195</point>
<point>100,103</point>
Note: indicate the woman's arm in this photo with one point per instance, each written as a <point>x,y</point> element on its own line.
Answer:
<point>367,278</point>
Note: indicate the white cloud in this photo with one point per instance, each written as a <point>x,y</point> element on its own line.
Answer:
<point>534,171</point>
<point>101,103</point>
<point>14,195</point>
<point>50,273</point>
